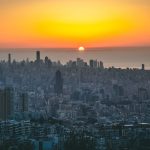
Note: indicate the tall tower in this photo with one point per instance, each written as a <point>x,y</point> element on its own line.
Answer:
<point>6,103</point>
<point>91,63</point>
<point>143,67</point>
<point>58,86</point>
<point>46,60</point>
<point>9,58</point>
<point>37,56</point>
<point>24,102</point>
<point>101,65</point>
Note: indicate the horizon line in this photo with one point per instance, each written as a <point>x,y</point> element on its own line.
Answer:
<point>75,48</point>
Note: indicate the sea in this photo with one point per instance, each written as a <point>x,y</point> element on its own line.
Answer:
<point>118,57</point>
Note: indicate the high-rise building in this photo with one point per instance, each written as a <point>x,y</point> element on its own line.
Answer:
<point>142,94</point>
<point>101,65</point>
<point>91,63</point>
<point>6,103</point>
<point>80,62</point>
<point>46,60</point>
<point>37,56</point>
<point>24,102</point>
<point>58,86</point>
<point>9,58</point>
<point>95,63</point>
<point>143,67</point>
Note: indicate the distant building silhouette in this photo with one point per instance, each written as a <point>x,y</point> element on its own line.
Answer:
<point>95,63</point>
<point>58,86</point>
<point>46,60</point>
<point>101,65</point>
<point>91,63</point>
<point>24,102</point>
<point>6,103</point>
<point>142,94</point>
<point>9,58</point>
<point>38,56</point>
<point>80,62</point>
<point>143,67</point>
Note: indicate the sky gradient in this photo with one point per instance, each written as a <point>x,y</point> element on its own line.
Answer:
<point>68,23</point>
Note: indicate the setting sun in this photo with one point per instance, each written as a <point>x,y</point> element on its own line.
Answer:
<point>81,49</point>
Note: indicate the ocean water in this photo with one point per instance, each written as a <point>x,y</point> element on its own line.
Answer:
<point>124,57</point>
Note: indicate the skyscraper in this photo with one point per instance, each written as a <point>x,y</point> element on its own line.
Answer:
<point>37,56</point>
<point>58,86</point>
<point>24,102</point>
<point>95,63</point>
<point>6,103</point>
<point>142,94</point>
<point>46,60</point>
<point>91,63</point>
<point>143,67</point>
<point>101,65</point>
<point>9,58</point>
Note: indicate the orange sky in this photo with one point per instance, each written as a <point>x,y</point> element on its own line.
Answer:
<point>68,23</point>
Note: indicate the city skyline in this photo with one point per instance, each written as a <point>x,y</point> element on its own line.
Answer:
<point>116,57</point>
<point>74,74</point>
<point>74,23</point>
<point>45,104</point>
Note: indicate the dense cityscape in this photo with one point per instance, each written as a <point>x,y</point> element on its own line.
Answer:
<point>47,105</point>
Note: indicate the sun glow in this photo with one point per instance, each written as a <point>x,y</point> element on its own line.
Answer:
<point>81,49</point>
<point>69,23</point>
